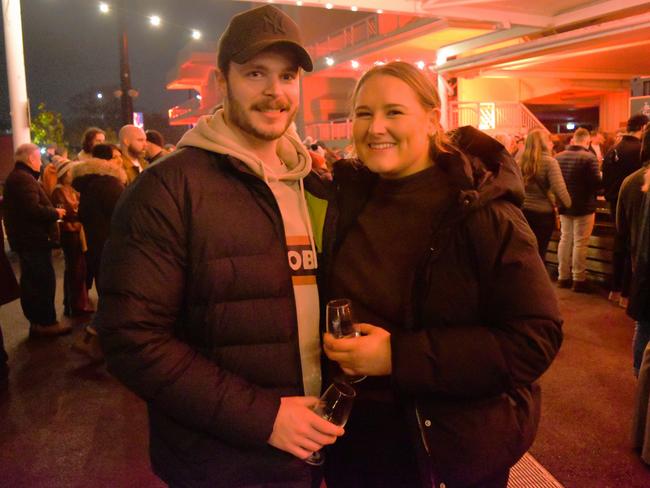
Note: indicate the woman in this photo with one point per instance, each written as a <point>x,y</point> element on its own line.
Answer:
<point>457,313</point>
<point>544,187</point>
<point>75,293</point>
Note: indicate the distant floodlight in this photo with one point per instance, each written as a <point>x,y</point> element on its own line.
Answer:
<point>104,7</point>
<point>329,61</point>
<point>154,20</point>
<point>355,64</point>
<point>100,95</point>
<point>196,34</point>
<point>420,64</point>
<point>329,6</point>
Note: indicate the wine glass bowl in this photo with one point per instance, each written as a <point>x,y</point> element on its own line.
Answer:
<point>340,323</point>
<point>334,406</point>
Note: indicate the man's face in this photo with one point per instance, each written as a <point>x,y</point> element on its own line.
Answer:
<point>262,94</point>
<point>34,160</point>
<point>98,139</point>
<point>135,143</point>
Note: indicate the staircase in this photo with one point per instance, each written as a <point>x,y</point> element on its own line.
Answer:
<point>510,117</point>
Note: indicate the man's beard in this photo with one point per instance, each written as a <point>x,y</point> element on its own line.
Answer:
<point>238,116</point>
<point>135,154</point>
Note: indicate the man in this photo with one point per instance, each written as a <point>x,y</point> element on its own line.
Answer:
<point>91,137</point>
<point>221,338</point>
<point>154,148</point>
<point>132,144</point>
<point>622,160</point>
<point>596,146</point>
<point>29,217</point>
<point>582,177</point>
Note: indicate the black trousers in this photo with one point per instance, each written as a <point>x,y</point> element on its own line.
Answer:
<point>37,286</point>
<point>621,261</point>
<point>542,224</point>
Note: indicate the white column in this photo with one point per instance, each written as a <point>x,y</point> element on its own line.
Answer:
<point>441,58</point>
<point>444,102</point>
<point>18,101</point>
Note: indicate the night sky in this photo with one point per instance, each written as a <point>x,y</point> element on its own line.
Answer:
<point>70,47</point>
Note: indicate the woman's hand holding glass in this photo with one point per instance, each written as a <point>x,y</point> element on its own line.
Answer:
<point>366,355</point>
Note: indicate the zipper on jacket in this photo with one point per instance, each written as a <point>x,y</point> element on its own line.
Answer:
<point>423,436</point>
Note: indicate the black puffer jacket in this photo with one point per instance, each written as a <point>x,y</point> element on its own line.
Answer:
<point>619,162</point>
<point>484,322</point>
<point>29,213</point>
<point>197,316</point>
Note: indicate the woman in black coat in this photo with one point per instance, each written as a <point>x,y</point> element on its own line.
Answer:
<point>457,314</point>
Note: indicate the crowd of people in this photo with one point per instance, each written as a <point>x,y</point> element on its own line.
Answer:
<point>51,201</point>
<point>213,267</point>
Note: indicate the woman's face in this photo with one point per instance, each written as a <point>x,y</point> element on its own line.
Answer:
<point>391,127</point>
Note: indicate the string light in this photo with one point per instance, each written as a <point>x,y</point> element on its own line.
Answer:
<point>104,7</point>
<point>354,8</point>
<point>154,20</point>
<point>196,34</point>
<point>329,6</point>
<point>355,64</point>
<point>329,61</point>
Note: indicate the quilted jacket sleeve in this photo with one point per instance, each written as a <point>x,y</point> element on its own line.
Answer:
<point>517,331</point>
<point>141,317</point>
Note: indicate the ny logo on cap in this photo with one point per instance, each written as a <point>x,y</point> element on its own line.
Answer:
<point>273,21</point>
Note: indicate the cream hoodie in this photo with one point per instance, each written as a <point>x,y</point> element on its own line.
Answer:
<point>212,133</point>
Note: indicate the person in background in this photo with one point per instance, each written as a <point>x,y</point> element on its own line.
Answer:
<point>582,177</point>
<point>154,149</point>
<point>208,305</point>
<point>9,291</point>
<point>29,217</point>
<point>100,182</point>
<point>75,293</point>
<point>597,146</point>
<point>133,142</point>
<point>544,187</point>
<point>91,137</point>
<point>639,309</point>
<point>630,225</point>
<point>622,160</point>
<point>457,314</point>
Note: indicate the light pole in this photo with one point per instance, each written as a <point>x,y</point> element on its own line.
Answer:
<point>125,70</point>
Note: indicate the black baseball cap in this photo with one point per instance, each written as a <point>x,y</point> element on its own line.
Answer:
<point>255,30</point>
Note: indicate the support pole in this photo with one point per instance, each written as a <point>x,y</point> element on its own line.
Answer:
<point>18,101</point>
<point>125,70</point>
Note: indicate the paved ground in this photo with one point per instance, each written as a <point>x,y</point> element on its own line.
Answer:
<point>66,423</point>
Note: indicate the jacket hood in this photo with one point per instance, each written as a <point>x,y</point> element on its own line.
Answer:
<point>81,172</point>
<point>482,169</point>
<point>213,134</point>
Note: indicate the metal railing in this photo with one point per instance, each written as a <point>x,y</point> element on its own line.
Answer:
<point>493,116</point>
<point>486,116</point>
<point>373,27</point>
<point>333,130</point>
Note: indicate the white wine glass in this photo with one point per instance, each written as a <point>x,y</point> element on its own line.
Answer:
<point>334,406</point>
<point>340,323</point>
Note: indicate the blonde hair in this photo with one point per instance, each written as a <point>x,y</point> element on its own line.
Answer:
<point>424,90</point>
<point>535,149</point>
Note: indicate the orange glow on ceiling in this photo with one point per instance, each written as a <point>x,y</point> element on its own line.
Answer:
<point>443,37</point>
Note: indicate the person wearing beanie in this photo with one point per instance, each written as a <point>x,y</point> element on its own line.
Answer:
<point>75,293</point>
<point>222,337</point>
<point>155,147</point>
